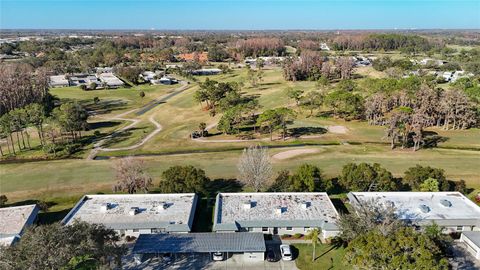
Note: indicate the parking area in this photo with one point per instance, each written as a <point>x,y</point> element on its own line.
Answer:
<point>204,261</point>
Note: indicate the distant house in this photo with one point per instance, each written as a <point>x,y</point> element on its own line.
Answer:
<point>99,70</point>
<point>275,213</point>
<point>450,210</point>
<point>58,81</point>
<point>149,76</point>
<point>84,79</point>
<point>195,56</point>
<point>165,80</point>
<point>132,215</point>
<point>206,71</point>
<point>324,47</point>
<point>14,221</point>
<point>110,80</point>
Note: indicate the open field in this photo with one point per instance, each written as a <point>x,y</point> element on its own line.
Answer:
<point>458,155</point>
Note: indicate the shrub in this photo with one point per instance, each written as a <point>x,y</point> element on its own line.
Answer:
<point>297,235</point>
<point>285,236</point>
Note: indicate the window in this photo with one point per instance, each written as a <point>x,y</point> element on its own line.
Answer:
<point>250,229</point>
<point>264,229</point>
<point>289,228</point>
<point>136,230</point>
<point>460,228</point>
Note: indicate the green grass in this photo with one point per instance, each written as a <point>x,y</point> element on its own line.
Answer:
<point>327,257</point>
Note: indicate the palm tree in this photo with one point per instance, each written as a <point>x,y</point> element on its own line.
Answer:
<point>313,237</point>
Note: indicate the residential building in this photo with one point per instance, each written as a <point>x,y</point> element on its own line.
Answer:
<point>324,47</point>
<point>275,213</point>
<point>110,80</point>
<point>472,243</point>
<point>451,210</point>
<point>58,81</point>
<point>138,213</point>
<point>84,79</point>
<point>206,71</point>
<point>14,220</point>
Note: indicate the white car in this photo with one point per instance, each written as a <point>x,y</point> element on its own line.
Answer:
<point>286,253</point>
<point>217,256</point>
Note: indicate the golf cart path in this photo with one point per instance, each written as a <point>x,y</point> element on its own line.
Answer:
<point>97,147</point>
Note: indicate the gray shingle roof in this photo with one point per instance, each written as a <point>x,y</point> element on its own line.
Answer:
<point>473,236</point>
<point>199,242</point>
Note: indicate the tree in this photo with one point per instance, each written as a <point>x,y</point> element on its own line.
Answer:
<point>295,94</point>
<point>3,200</point>
<point>370,216</point>
<point>417,175</point>
<point>255,168</point>
<point>131,176</point>
<point>399,126</point>
<point>429,185</point>
<point>54,246</point>
<point>344,66</point>
<point>404,248</point>
<point>184,179</point>
<point>274,119</point>
<point>96,100</point>
<point>367,177</point>
<point>313,235</point>
<point>202,127</point>
<point>36,117</point>
<point>312,100</point>
<point>305,179</point>
<point>282,182</point>
<point>72,118</point>
<point>344,104</point>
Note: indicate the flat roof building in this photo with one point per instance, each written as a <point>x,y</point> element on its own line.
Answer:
<point>14,221</point>
<point>139,213</point>
<point>110,80</point>
<point>275,213</point>
<point>451,210</point>
<point>58,81</point>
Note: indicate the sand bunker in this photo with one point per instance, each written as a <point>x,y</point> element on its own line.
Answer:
<point>337,129</point>
<point>293,153</point>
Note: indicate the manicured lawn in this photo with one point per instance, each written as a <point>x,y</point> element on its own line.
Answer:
<point>327,257</point>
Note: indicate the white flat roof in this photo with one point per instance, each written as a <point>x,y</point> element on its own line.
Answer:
<point>230,209</point>
<point>172,212</point>
<point>424,205</point>
<point>13,221</point>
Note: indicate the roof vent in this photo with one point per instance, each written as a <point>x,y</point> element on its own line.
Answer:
<point>389,203</point>
<point>424,208</point>
<point>305,205</point>
<point>279,210</point>
<point>104,207</point>
<point>446,203</point>
<point>247,204</point>
<point>162,206</point>
<point>133,211</point>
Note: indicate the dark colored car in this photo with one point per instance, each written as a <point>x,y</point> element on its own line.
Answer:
<point>271,255</point>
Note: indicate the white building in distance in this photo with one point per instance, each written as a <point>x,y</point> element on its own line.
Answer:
<point>14,221</point>
<point>275,213</point>
<point>58,81</point>
<point>450,210</point>
<point>131,215</point>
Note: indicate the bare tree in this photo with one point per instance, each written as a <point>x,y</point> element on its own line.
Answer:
<point>131,176</point>
<point>344,66</point>
<point>255,168</point>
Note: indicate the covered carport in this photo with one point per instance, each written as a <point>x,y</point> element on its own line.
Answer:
<point>252,245</point>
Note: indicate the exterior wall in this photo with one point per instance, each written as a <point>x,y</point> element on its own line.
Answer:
<point>253,256</point>
<point>329,234</point>
<point>453,229</point>
<point>471,247</point>
<point>137,233</point>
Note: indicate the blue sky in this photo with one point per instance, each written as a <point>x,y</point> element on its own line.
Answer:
<point>239,14</point>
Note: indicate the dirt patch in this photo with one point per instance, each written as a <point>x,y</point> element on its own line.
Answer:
<point>293,153</point>
<point>337,129</point>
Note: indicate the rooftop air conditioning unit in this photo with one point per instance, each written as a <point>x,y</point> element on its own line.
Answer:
<point>247,204</point>
<point>424,208</point>
<point>305,205</point>
<point>104,207</point>
<point>279,210</point>
<point>133,211</point>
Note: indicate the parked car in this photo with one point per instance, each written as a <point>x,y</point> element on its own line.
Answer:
<point>271,255</point>
<point>286,252</point>
<point>217,256</point>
